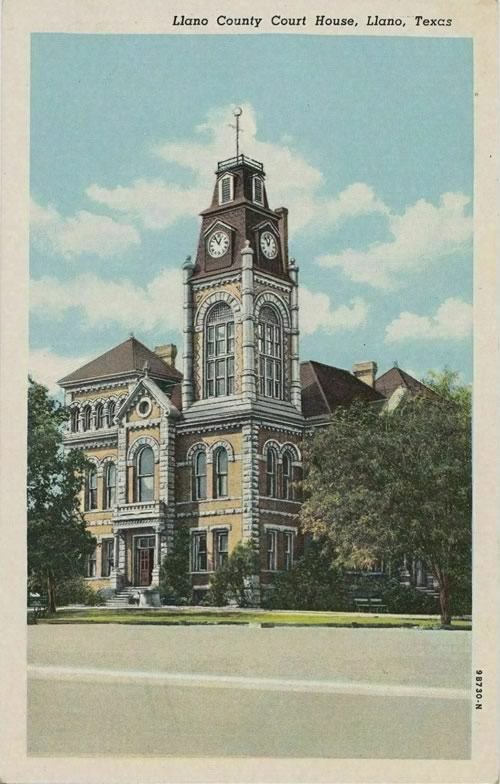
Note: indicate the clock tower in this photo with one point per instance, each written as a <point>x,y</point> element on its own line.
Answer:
<point>241,385</point>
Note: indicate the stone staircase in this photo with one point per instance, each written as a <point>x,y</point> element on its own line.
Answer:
<point>122,598</point>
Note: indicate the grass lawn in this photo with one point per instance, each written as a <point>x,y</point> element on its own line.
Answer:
<point>166,617</point>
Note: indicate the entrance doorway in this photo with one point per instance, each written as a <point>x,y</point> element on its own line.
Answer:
<point>144,559</point>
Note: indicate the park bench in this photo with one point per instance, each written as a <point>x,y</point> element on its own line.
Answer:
<point>369,604</point>
<point>37,605</point>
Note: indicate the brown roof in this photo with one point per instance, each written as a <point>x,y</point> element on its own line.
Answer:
<point>127,358</point>
<point>325,387</point>
<point>395,378</point>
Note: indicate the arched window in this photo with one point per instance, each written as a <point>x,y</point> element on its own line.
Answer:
<point>99,415</point>
<point>200,476</point>
<point>75,415</point>
<point>219,353</point>
<point>287,486</point>
<point>271,473</point>
<point>145,466</point>
<point>91,489</point>
<point>87,417</point>
<point>111,412</point>
<point>270,353</point>
<point>110,486</point>
<point>220,475</point>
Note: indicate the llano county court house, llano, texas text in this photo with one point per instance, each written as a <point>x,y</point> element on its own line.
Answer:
<point>320,20</point>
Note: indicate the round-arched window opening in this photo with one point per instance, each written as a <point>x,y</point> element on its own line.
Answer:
<point>144,407</point>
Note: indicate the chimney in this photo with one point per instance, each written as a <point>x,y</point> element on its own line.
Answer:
<point>365,371</point>
<point>168,353</point>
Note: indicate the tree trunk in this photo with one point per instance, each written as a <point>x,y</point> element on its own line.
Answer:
<point>444,601</point>
<point>51,593</point>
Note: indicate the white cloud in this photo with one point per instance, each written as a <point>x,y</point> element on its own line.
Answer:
<point>155,204</point>
<point>83,232</point>
<point>318,314</point>
<point>452,321</point>
<point>293,182</point>
<point>155,306</point>
<point>423,235</point>
<point>47,368</point>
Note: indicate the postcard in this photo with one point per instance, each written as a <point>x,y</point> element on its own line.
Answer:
<point>249,391</point>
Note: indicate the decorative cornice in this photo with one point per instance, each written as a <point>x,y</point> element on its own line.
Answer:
<point>273,283</point>
<point>215,281</point>
<point>210,513</point>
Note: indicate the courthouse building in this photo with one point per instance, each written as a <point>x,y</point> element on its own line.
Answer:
<point>217,449</point>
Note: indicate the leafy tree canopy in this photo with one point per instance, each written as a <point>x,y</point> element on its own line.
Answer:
<point>58,542</point>
<point>386,484</point>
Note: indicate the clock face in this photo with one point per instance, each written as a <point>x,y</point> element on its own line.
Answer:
<point>268,245</point>
<point>218,244</point>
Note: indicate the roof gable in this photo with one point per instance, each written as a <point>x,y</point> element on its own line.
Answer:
<point>395,378</point>
<point>157,394</point>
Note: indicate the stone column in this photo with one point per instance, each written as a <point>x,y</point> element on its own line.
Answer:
<point>116,575</point>
<point>295,386</point>
<point>155,575</point>
<point>248,380</point>
<point>187,381</point>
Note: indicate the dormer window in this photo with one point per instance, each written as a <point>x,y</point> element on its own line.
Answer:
<point>258,190</point>
<point>226,189</point>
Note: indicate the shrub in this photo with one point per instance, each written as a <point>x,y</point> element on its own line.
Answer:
<point>76,591</point>
<point>175,578</point>
<point>313,583</point>
<point>233,580</point>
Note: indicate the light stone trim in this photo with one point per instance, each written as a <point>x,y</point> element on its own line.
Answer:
<point>121,479</point>
<point>209,500</point>
<point>213,299</point>
<point>193,450</point>
<point>277,527</point>
<point>210,528</point>
<point>138,444</point>
<point>269,298</point>
<point>210,513</point>
<point>140,425</point>
<point>272,283</point>
<point>276,512</point>
<point>215,282</point>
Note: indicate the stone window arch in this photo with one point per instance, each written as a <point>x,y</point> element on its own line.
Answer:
<point>138,444</point>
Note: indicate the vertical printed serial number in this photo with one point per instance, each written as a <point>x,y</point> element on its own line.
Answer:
<point>479,689</point>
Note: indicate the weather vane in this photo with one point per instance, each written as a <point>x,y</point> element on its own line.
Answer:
<point>237,113</point>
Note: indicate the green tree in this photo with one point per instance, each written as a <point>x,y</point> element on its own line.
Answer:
<point>58,543</point>
<point>175,579</point>
<point>232,580</point>
<point>382,485</point>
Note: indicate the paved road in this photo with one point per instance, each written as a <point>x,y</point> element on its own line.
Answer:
<point>219,691</point>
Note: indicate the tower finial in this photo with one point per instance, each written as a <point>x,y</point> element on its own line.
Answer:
<point>237,111</point>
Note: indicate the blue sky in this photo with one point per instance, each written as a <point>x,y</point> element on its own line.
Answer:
<point>368,142</point>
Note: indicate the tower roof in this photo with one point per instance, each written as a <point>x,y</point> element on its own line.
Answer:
<point>128,358</point>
